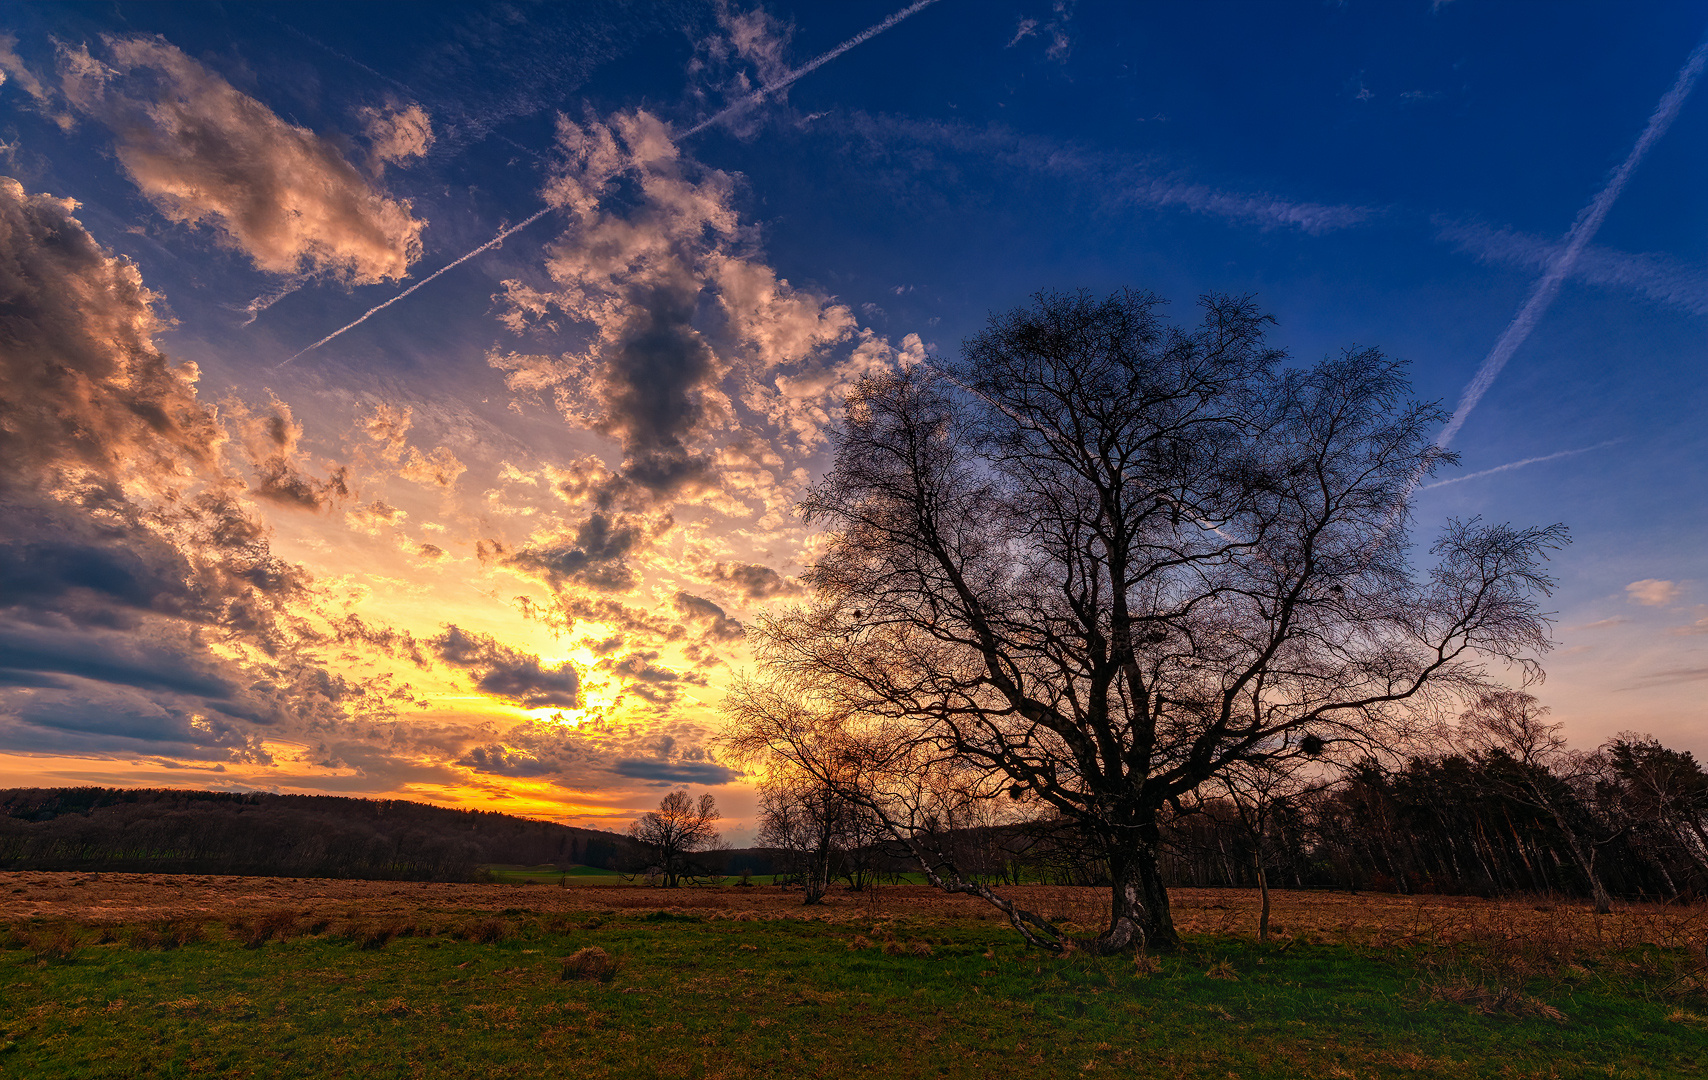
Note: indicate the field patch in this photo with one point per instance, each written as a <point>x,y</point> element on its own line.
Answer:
<point>640,982</point>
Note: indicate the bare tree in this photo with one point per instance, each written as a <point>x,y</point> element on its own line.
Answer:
<point>807,821</point>
<point>1099,559</point>
<point>1260,788</point>
<point>671,835</point>
<point>1527,758</point>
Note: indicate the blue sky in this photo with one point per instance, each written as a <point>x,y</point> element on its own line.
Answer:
<point>1397,174</point>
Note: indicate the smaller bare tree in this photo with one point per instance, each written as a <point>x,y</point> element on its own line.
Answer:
<point>803,819</point>
<point>1261,787</point>
<point>675,832</point>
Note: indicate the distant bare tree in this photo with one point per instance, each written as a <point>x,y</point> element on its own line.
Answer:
<point>1528,760</point>
<point>670,836</point>
<point>805,820</point>
<point>1099,560</point>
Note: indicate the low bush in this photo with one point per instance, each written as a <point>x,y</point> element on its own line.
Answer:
<point>591,964</point>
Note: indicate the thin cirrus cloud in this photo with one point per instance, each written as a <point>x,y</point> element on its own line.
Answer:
<point>1659,278</point>
<point>1120,180</point>
<point>205,153</point>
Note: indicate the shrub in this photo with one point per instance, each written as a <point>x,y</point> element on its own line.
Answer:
<point>1495,1000</point>
<point>280,923</point>
<point>168,934</point>
<point>60,945</point>
<point>591,964</point>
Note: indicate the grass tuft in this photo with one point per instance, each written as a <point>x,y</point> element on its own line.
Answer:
<point>591,964</point>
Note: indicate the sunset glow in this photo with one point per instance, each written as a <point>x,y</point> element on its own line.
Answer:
<point>495,545</point>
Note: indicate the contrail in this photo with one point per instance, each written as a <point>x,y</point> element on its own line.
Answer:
<point>488,246</point>
<point>747,102</point>
<point>810,66</point>
<point>1518,464</point>
<point>1583,230</point>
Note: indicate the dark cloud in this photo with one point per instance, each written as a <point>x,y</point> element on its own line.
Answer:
<point>652,388</point>
<point>753,582</point>
<point>141,607</point>
<point>509,673</point>
<point>596,557</point>
<point>110,659</point>
<point>709,773</point>
<point>708,617</point>
<point>638,667</point>
<point>123,725</point>
<point>81,381</point>
<point>280,481</point>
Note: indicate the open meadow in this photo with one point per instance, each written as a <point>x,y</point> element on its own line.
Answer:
<point>150,975</point>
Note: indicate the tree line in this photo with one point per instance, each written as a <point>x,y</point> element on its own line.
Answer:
<point>206,832</point>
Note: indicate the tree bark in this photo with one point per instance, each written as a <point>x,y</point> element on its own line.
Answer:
<point>1138,911</point>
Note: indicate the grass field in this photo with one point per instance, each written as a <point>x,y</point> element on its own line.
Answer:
<point>444,982</point>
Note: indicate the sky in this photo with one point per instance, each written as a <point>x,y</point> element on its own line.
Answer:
<point>412,402</point>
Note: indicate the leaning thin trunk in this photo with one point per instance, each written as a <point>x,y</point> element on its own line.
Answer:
<point>1263,891</point>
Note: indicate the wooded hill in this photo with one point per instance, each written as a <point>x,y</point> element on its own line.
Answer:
<point>207,832</point>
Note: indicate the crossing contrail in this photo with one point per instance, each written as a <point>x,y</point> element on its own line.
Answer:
<point>810,66</point>
<point>377,308</point>
<point>744,103</point>
<point>1583,230</point>
<point>1519,464</point>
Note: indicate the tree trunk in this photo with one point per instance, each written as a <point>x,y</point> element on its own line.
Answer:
<point>1138,911</point>
<point>1263,891</point>
<point>818,874</point>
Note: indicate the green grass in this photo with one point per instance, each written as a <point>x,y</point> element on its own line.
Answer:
<point>697,998</point>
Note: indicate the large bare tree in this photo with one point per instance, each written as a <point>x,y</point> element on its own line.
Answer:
<point>1099,559</point>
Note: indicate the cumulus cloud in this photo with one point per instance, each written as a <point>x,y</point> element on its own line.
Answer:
<point>387,426</point>
<point>397,135</point>
<point>1653,592</point>
<point>507,672</point>
<point>683,321</point>
<point>708,617</point>
<point>137,583</point>
<point>205,153</point>
<point>82,384</point>
<point>271,439</point>
<point>747,51</point>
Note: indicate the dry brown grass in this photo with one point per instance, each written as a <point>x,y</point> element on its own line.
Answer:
<point>1551,934</point>
<point>167,934</point>
<point>591,964</point>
